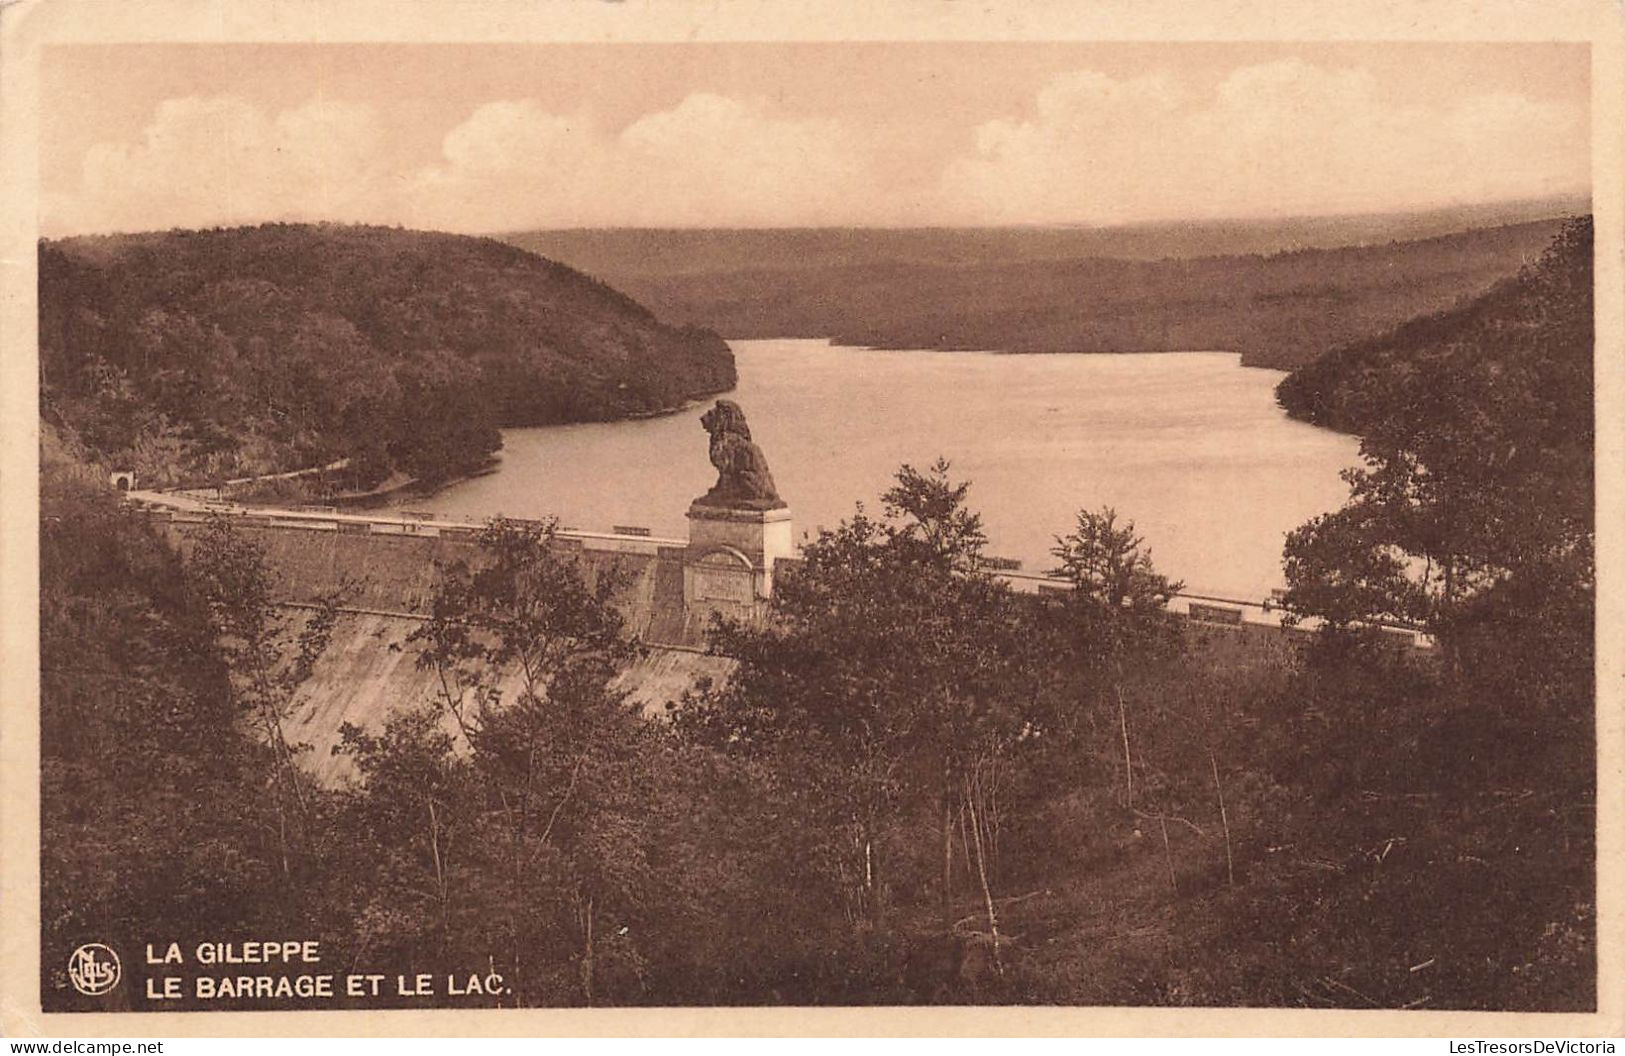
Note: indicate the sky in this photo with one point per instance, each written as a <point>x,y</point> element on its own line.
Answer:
<point>489,138</point>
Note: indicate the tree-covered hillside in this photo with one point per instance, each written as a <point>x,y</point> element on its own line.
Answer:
<point>205,354</point>
<point>1048,291</point>
<point>1474,512</point>
<point>654,251</point>
<point>1529,337</point>
<point>152,818</point>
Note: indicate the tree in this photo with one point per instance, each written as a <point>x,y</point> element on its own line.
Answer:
<point>268,657</point>
<point>892,677</point>
<point>152,822</point>
<point>1117,608</point>
<point>1109,565</point>
<point>1472,515</point>
<point>930,522</point>
<point>409,881</point>
<point>524,649</point>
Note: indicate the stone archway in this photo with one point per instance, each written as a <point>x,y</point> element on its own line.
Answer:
<point>722,574</point>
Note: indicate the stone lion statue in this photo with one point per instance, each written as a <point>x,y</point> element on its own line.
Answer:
<point>743,480</point>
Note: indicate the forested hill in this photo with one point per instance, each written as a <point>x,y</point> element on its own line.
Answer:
<point>1527,343</point>
<point>1055,290</point>
<point>202,354</point>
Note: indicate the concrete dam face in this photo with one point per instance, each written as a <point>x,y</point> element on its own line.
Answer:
<point>388,569</point>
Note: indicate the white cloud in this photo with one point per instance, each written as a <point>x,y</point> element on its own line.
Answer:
<point>510,164</point>
<point>710,159</point>
<point>1282,136</point>
<point>204,161</point>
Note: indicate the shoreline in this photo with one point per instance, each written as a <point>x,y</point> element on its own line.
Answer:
<point>837,343</point>
<point>418,489</point>
<point>381,494</point>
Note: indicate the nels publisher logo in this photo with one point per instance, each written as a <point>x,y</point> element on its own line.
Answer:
<point>93,969</point>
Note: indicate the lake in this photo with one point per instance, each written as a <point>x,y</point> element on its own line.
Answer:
<point>1190,445</point>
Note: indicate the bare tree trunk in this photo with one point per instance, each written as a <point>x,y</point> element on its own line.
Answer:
<point>283,774</point>
<point>1128,760</point>
<point>965,840</point>
<point>434,846</point>
<point>439,871</point>
<point>981,872</point>
<point>517,818</point>
<point>587,955</point>
<point>1224,820</point>
<point>1168,853</point>
<point>282,834</point>
<point>870,908</point>
<point>272,717</point>
<point>947,843</point>
<point>947,865</point>
<point>870,805</point>
<point>453,701</point>
<point>993,824</point>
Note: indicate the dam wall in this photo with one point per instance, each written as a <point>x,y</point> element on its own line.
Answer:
<point>370,670</point>
<point>388,572</point>
<point>387,569</point>
<point>396,571</point>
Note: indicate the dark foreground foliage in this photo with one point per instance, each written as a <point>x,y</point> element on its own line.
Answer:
<point>1041,801</point>
<point>152,816</point>
<point>1473,515</point>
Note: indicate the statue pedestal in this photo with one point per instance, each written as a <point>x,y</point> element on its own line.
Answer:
<point>728,567</point>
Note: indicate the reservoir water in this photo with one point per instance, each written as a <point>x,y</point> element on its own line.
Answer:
<point>1191,446</point>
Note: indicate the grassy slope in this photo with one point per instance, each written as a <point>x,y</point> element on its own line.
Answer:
<point>1338,918</point>
<point>1377,826</point>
